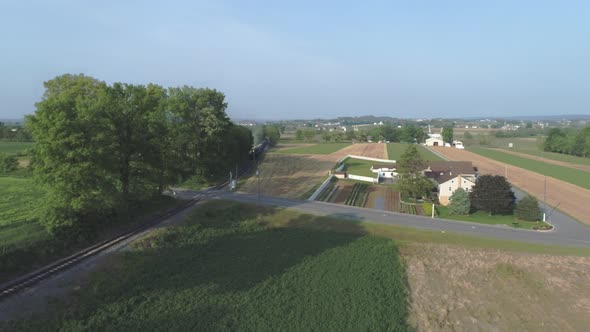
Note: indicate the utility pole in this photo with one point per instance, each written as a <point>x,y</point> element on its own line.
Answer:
<point>544,198</point>
<point>432,210</point>
<point>258,179</point>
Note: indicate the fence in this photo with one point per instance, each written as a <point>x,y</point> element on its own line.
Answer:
<point>320,189</point>
<point>362,178</point>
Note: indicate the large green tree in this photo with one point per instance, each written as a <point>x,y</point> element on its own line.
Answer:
<point>528,209</point>
<point>447,134</point>
<point>100,149</point>
<point>460,204</point>
<point>493,194</point>
<point>411,179</point>
<point>71,148</point>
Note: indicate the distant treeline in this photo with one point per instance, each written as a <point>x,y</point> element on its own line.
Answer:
<point>100,148</point>
<point>12,132</point>
<point>576,143</point>
<point>405,134</point>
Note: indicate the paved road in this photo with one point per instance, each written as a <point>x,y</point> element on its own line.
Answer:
<point>568,232</point>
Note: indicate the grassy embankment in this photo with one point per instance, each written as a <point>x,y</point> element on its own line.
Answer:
<point>573,176</point>
<point>232,266</point>
<point>323,148</point>
<point>395,150</point>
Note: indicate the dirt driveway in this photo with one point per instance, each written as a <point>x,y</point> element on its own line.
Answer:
<point>571,199</point>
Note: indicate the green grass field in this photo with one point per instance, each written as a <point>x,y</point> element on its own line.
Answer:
<point>231,269</point>
<point>395,150</point>
<point>557,156</point>
<point>19,227</point>
<point>481,217</point>
<point>360,167</point>
<point>19,211</point>
<point>574,176</point>
<point>322,148</point>
<point>14,147</point>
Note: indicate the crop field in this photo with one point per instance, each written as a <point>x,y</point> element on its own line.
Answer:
<point>229,268</point>
<point>237,268</point>
<point>19,227</point>
<point>358,195</point>
<point>322,148</point>
<point>288,175</point>
<point>556,159</point>
<point>395,150</point>
<point>573,176</point>
<point>14,147</point>
<point>327,194</point>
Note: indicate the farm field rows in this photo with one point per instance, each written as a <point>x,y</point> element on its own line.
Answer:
<point>226,268</point>
<point>288,175</point>
<point>395,150</point>
<point>573,176</point>
<point>570,198</point>
<point>236,266</point>
<point>322,148</point>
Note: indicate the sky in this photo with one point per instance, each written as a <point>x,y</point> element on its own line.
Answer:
<point>311,59</point>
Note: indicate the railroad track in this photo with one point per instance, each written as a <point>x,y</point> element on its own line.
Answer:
<point>12,287</point>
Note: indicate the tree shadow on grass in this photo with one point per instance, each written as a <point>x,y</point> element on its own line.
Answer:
<point>210,271</point>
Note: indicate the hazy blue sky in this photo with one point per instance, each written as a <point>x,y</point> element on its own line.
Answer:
<point>312,58</point>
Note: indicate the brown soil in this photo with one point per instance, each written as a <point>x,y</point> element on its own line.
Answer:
<point>343,192</point>
<point>548,161</point>
<point>288,175</point>
<point>293,175</point>
<point>467,289</point>
<point>392,200</point>
<point>570,198</point>
<point>373,150</point>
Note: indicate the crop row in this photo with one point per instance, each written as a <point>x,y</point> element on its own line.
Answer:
<point>358,196</point>
<point>327,193</point>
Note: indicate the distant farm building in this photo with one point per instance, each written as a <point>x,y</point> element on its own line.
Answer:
<point>450,176</point>
<point>434,141</point>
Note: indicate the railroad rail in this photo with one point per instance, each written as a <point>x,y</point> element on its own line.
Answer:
<point>12,287</point>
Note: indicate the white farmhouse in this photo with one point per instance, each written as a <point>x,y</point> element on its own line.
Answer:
<point>451,175</point>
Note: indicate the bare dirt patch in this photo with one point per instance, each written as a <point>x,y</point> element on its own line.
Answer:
<point>468,289</point>
<point>548,161</point>
<point>570,198</point>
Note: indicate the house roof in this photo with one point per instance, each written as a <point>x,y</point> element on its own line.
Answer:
<point>443,171</point>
